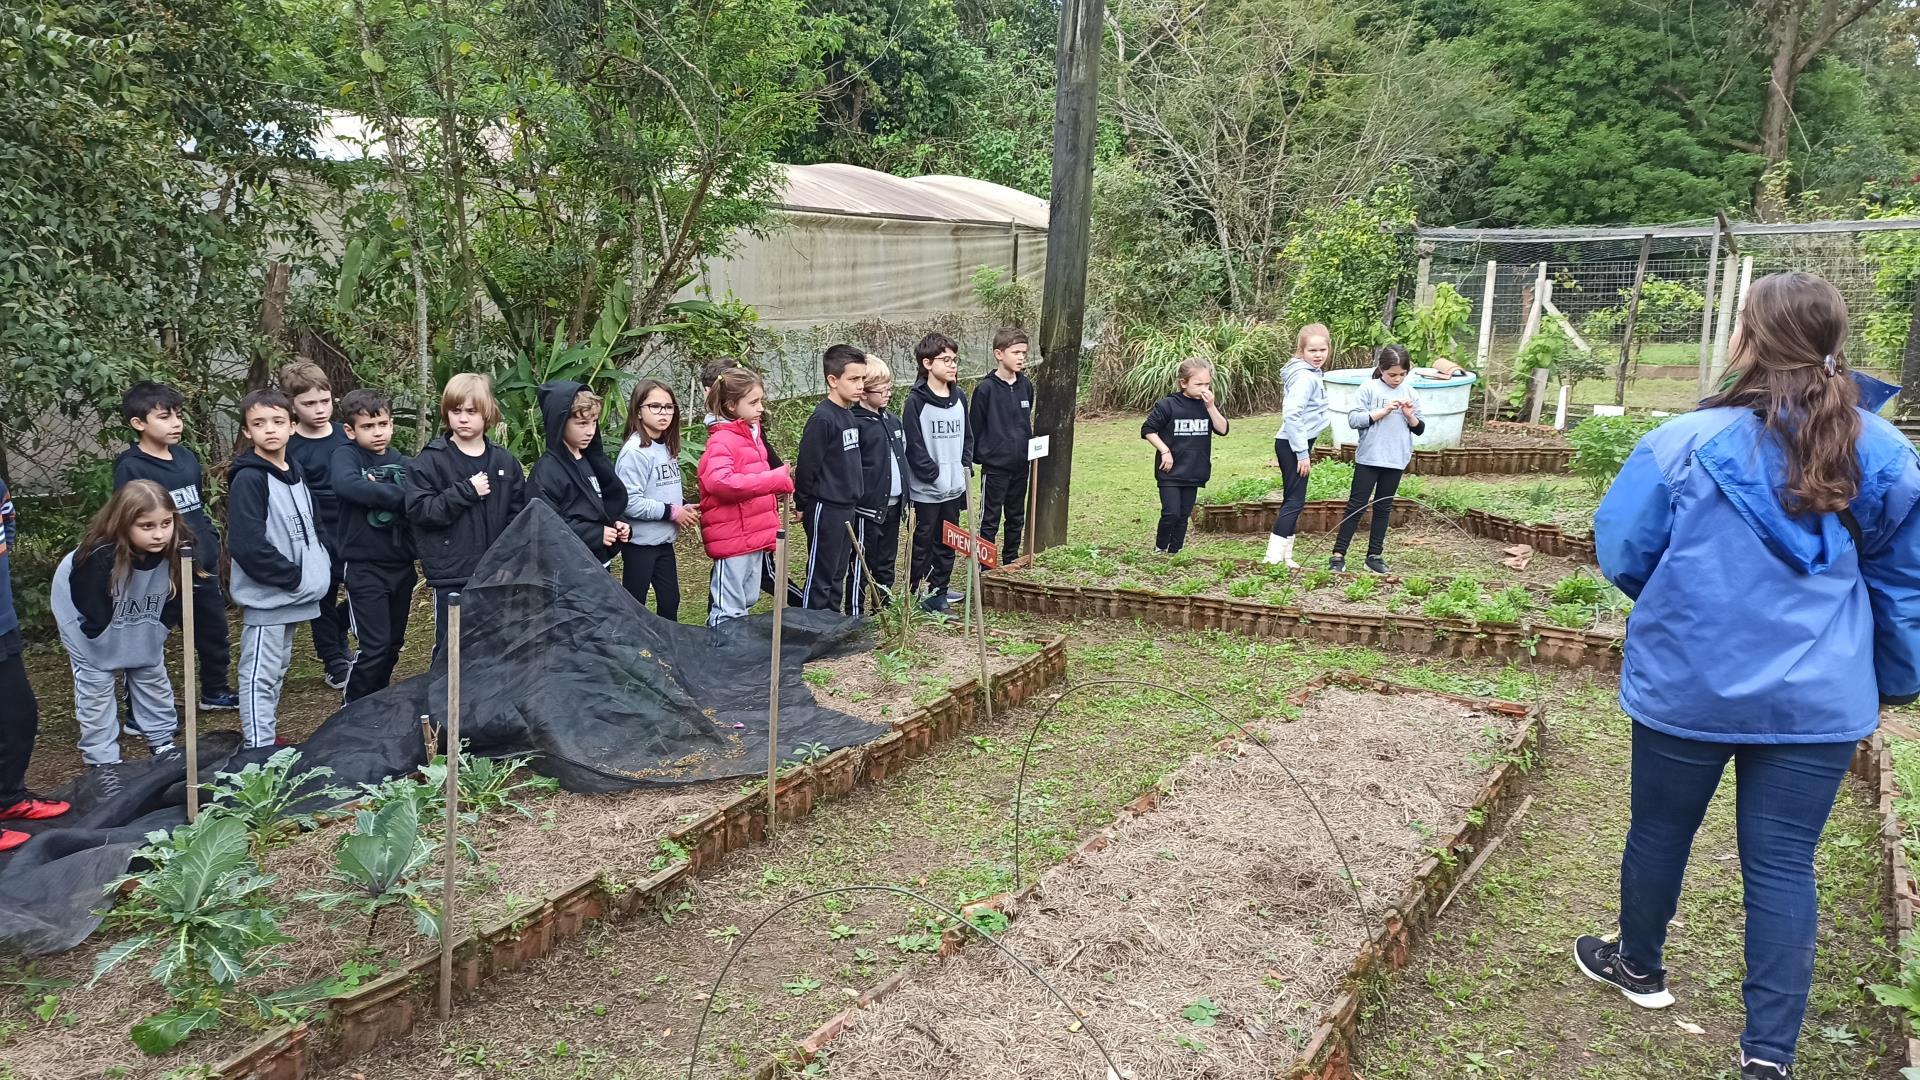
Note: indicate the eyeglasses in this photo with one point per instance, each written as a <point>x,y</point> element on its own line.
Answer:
<point>657,407</point>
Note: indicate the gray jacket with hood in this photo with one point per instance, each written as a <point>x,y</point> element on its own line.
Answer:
<point>279,567</point>
<point>1303,404</point>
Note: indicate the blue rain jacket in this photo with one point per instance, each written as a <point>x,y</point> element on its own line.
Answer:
<point>1751,625</point>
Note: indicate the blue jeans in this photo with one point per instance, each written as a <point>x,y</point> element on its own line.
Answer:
<point>1783,794</point>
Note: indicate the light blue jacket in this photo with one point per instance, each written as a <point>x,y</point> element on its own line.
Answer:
<point>1752,625</point>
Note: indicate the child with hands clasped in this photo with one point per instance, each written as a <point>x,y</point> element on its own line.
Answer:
<point>115,603</point>
<point>369,478</point>
<point>1387,419</point>
<point>1303,418</point>
<point>575,476</point>
<point>739,495</point>
<point>1181,427</point>
<point>316,436</point>
<point>649,466</point>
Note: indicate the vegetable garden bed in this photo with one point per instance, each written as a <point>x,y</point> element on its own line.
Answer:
<point>1323,515</point>
<point>1469,461</point>
<point>1193,936</point>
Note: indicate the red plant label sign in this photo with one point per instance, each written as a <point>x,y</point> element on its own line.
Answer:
<point>964,542</point>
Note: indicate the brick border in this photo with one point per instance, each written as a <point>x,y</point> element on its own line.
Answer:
<point>1401,634</point>
<point>388,1008</point>
<point>1468,461</point>
<point>1323,515</point>
<point>1329,1052</point>
<point>1873,762</point>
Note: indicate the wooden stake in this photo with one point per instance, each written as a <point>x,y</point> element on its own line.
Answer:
<point>452,728</point>
<point>1633,316</point>
<point>1033,503</point>
<point>979,612</point>
<point>190,683</point>
<point>1483,349</point>
<point>863,573</point>
<point>1706,311</point>
<point>1723,330</point>
<point>773,677</point>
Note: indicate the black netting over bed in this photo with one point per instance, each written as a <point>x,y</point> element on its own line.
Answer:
<point>557,661</point>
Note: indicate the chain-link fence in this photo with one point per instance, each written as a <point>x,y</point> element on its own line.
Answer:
<point>1693,281</point>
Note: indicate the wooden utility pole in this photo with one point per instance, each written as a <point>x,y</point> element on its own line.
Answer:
<point>1063,307</point>
<point>1633,316</point>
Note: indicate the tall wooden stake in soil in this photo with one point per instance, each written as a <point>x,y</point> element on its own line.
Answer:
<point>453,806</point>
<point>190,683</point>
<point>1633,316</point>
<point>980,612</point>
<point>1063,307</point>
<point>773,675</point>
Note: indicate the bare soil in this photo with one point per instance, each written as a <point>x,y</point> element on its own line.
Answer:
<point>1208,936</point>
<point>1479,439</point>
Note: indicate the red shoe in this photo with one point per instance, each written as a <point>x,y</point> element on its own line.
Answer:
<point>32,810</point>
<point>10,839</point>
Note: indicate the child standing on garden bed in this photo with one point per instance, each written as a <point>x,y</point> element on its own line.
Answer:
<point>649,465</point>
<point>1002,422</point>
<point>739,495</point>
<point>1303,418</point>
<point>115,603</point>
<point>1181,427</point>
<point>1387,419</point>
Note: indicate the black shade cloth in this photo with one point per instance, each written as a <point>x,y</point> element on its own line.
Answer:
<point>558,661</point>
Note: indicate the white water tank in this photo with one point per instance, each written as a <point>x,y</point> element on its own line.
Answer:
<point>1443,405</point>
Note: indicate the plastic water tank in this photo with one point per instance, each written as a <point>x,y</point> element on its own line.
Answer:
<point>1443,405</point>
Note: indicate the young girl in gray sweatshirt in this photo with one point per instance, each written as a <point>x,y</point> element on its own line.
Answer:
<point>1387,418</point>
<point>649,464</point>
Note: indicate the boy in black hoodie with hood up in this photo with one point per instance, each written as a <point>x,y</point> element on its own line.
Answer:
<point>575,476</point>
<point>462,491</point>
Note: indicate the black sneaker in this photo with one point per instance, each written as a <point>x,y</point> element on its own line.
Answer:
<point>107,784</point>
<point>1601,962</point>
<point>218,700</point>
<point>1338,563</point>
<point>337,677</point>
<point>934,604</point>
<point>1376,564</point>
<point>1765,1070</point>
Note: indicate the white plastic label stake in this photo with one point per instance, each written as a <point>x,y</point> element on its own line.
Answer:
<point>1609,410</point>
<point>1037,447</point>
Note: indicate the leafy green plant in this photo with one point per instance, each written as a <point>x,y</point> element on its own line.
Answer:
<point>1548,348</point>
<point>1505,606</point>
<point>1573,616</point>
<point>1187,586</point>
<point>1361,588</point>
<point>488,784</point>
<point>1316,579</point>
<point>1664,305</point>
<point>378,866</point>
<point>1238,490</point>
<point>1244,588</point>
<point>1578,588</point>
<point>1201,1012</point>
<point>1432,330</point>
<point>1417,587</point>
<point>1601,445</point>
<point>263,796</point>
<point>1247,355</point>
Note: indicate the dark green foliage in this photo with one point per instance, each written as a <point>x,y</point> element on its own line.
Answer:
<point>1601,445</point>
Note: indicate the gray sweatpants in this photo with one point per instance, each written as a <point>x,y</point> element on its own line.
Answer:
<point>151,694</point>
<point>735,586</point>
<point>265,652</point>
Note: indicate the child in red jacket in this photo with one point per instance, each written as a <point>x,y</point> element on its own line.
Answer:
<point>739,495</point>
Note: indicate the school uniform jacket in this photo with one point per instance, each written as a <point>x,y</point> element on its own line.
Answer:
<point>739,493</point>
<point>453,525</point>
<point>1183,424</point>
<point>279,565</point>
<point>939,444</point>
<point>1001,418</point>
<point>372,489</point>
<point>585,491</point>
<point>828,470</point>
<point>883,461</point>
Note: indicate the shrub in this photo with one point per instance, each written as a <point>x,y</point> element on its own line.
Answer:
<point>1578,588</point>
<point>1247,356</point>
<point>1601,445</point>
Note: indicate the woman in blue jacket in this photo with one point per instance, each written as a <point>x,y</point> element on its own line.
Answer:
<point>1770,544</point>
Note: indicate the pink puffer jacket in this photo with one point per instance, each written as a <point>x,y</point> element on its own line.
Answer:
<point>739,508</point>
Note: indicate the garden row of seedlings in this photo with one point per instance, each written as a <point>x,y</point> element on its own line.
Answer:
<point>352,1015</point>
<point>1323,515</point>
<point>1215,927</point>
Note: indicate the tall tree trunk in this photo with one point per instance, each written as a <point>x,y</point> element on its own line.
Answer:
<point>456,152</point>
<point>1782,76</point>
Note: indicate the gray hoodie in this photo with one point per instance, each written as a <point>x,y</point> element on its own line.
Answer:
<point>279,568</point>
<point>1385,443</point>
<point>652,476</point>
<point>137,636</point>
<point>1303,404</point>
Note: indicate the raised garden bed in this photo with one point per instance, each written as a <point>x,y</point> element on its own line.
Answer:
<point>1194,936</point>
<point>1468,461</point>
<point>1899,820</point>
<point>1323,515</point>
<point>575,860</point>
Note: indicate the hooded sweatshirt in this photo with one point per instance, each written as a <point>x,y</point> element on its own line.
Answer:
<point>1750,624</point>
<point>1303,405</point>
<point>372,489</point>
<point>651,474</point>
<point>452,524</point>
<point>939,443</point>
<point>315,458</point>
<point>183,479</point>
<point>1386,443</point>
<point>1184,424</point>
<point>280,567</point>
<point>883,460</point>
<point>1002,420</point>
<point>827,469</point>
<point>115,629</point>
<point>586,491</point>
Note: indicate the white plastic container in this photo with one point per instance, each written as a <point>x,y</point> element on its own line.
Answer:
<point>1443,405</point>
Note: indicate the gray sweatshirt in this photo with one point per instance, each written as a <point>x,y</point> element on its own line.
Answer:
<point>1304,404</point>
<point>1388,442</point>
<point>137,637</point>
<point>652,476</point>
<point>278,568</point>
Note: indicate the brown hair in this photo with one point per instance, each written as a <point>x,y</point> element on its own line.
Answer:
<point>1190,367</point>
<point>728,389</point>
<point>115,520</point>
<point>1789,365</point>
<point>1313,329</point>
<point>1388,357</point>
<point>303,376</point>
<point>586,406</point>
<point>468,388</point>
<point>1007,337</point>
<point>643,390</point>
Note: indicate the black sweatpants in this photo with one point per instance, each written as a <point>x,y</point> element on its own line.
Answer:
<point>652,566</point>
<point>331,625</point>
<point>829,553</point>
<point>19,722</point>
<point>210,642</point>
<point>1176,506</point>
<point>379,600</point>
<point>880,540</point>
<point>1293,497</point>
<point>1371,484</point>
<point>931,564</point>
<point>1004,491</point>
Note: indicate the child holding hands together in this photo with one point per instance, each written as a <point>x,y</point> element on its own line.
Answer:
<point>1387,419</point>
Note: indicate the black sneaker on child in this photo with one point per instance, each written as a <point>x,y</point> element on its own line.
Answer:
<point>337,677</point>
<point>1601,962</point>
<point>1376,564</point>
<point>218,700</point>
<point>1764,1070</point>
<point>1338,563</point>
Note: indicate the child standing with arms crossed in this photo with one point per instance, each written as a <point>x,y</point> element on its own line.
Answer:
<point>369,478</point>
<point>1304,417</point>
<point>739,495</point>
<point>1002,421</point>
<point>279,567</point>
<point>939,459</point>
<point>1387,419</point>
<point>315,437</point>
<point>1181,427</point>
<point>115,605</point>
<point>828,476</point>
<point>153,411</point>
<point>462,491</point>
<point>883,460</point>
<point>649,466</point>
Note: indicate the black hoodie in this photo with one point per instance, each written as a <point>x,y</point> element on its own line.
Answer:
<point>1001,420</point>
<point>372,493</point>
<point>883,458</point>
<point>828,467</point>
<point>453,526</point>
<point>585,491</point>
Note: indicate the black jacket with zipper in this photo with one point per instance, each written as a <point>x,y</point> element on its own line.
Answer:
<point>881,437</point>
<point>827,469</point>
<point>1001,419</point>
<point>586,491</point>
<point>372,494</point>
<point>453,525</point>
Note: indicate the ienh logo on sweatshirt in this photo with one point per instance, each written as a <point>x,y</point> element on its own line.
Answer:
<point>1198,426</point>
<point>850,439</point>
